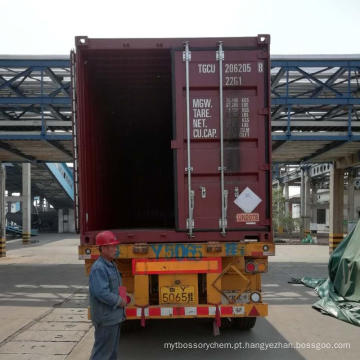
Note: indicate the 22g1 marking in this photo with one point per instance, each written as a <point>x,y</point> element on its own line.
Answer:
<point>233,80</point>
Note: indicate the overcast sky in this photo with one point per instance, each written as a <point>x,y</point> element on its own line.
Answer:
<point>296,27</point>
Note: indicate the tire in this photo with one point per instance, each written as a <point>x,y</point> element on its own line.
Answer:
<point>226,323</point>
<point>244,323</point>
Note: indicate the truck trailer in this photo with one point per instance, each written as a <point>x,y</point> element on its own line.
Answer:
<point>172,149</point>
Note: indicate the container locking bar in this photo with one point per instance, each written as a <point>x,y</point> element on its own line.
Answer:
<point>189,169</point>
<point>223,221</point>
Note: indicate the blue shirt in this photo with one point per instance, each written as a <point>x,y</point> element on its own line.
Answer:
<point>104,282</point>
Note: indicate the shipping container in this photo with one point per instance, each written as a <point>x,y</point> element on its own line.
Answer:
<point>172,153</point>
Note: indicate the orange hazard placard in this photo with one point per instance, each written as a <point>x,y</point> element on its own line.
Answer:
<point>243,217</point>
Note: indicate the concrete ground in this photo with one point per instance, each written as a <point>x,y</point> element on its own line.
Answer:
<point>43,312</point>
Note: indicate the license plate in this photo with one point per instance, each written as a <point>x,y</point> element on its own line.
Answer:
<point>177,295</point>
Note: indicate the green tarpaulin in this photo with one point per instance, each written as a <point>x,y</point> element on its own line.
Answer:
<point>340,292</point>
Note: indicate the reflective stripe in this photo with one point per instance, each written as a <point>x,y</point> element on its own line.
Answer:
<point>207,311</point>
<point>131,312</point>
<point>179,311</point>
<point>155,312</point>
<point>166,311</point>
<point>203,310</point>
<point>238,310</point>
<point>226,310</point>
<point>190,311</point>
<point>212,310</point>
<point>138,311</point>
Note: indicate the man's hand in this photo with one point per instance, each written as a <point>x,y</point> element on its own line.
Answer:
<point>122,302</point>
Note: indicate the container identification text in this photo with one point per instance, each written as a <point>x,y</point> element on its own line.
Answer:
<point>201,115</point>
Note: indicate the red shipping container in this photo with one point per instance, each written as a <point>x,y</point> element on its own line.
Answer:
<point>138,102</point>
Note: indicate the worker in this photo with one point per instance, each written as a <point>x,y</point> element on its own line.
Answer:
<point>106,305</point>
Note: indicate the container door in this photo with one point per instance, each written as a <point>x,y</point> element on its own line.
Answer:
<point>197,161</point>
<point>220,98</point>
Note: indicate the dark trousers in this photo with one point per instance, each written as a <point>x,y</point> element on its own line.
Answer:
<point>106,346</point>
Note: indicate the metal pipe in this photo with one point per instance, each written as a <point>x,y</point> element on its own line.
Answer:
<point>186,57</point>
<point>223,208</point>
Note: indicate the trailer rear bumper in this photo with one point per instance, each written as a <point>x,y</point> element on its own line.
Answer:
<point>198,311</point>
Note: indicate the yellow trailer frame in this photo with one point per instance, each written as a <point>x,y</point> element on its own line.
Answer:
<point>230,290</point>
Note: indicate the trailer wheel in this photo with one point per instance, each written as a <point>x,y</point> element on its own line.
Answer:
<point>244,323</point>
<point>226,323</point>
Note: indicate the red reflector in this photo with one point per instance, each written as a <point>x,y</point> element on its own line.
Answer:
<point>254,312</point>
<point>178,311</point>
<point>226,310</point>
<point>250,267</point>
<point>154,312</point>
<point>130,312</point>
<point>257,253</point>
<point>202,311</point>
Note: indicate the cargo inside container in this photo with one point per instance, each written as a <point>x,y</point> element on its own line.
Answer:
<point>127,126</point>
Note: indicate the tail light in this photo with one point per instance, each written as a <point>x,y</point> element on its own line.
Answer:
<point>250,267</point>
<point>255,266</point>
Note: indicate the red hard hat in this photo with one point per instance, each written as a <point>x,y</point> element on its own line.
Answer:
<point>106,238</point>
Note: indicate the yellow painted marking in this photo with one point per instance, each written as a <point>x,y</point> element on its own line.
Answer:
<point>160,266</point>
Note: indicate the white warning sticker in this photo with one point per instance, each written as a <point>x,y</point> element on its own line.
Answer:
<point>247,200</point>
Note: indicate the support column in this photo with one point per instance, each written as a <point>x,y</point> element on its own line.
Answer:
<point>26,203</point>
<point>71,219</point>
<point>60,221</point>
<point>305,205</point>
<point>47,208</point>
<point>2,211</point>
<point>313,212</point>
<point>286,195</point>
<point>308,200</point>
<point>281,192</point>
<point>41,203</point>
<point>350,200</point>
<point>336,205</point>
<point>313,204</point>
<point>302,203</point>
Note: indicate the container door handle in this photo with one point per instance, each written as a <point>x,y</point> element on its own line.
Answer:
<point>223,221</point>
<point>189,169</point>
